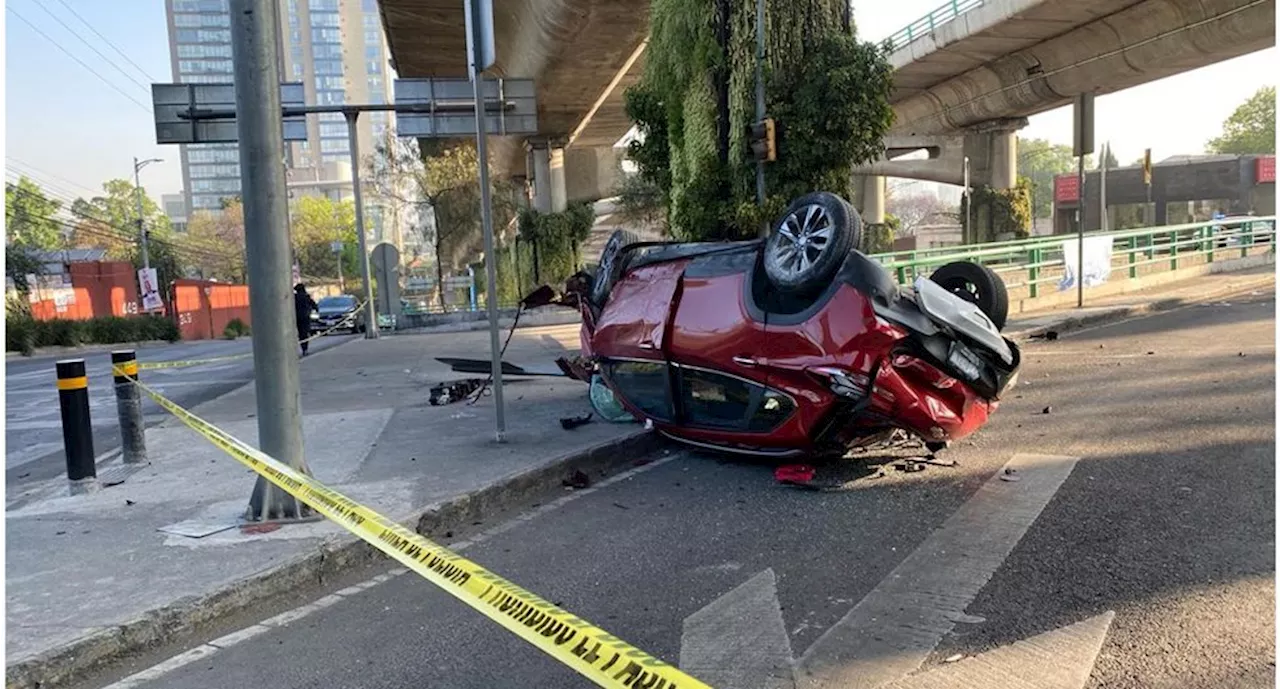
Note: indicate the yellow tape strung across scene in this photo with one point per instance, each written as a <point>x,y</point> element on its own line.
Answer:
<point>154,365</point>
<point>592,652</point>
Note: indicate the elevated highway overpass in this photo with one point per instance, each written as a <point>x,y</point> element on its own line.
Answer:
<point>966,76</point>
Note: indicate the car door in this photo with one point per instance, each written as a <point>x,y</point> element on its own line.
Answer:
<point>630,338</point>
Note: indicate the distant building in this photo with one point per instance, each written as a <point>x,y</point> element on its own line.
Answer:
<point>175,208</point>
<point>1183,189</point>
<point>335,47</point>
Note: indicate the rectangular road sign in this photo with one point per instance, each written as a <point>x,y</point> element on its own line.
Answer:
<point>173,101</point>
<point>512,102</point>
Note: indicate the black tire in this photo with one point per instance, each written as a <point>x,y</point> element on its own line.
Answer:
<point>612,265</point>
<point>793,261</point>
<point>978,284</point>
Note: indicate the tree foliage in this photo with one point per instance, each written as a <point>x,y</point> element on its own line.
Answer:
<point>317,222</point>
<point>916,210</point>
<point>827,91</point>
<point>1251,128</point>
<point>441,178</point>
<point>110,221</point>
<point>217,243</point>
<point>29,216</point>
<point>1040,162</point>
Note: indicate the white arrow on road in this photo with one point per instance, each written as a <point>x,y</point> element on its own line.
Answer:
<point>739,641</point>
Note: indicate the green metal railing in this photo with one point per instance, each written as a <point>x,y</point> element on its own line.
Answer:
<point>926,24</point>
<point>1036,262</point>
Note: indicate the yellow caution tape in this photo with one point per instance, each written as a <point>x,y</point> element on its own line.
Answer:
<point>589,650</point>
<point>185,363</point>
<point>152,365</point>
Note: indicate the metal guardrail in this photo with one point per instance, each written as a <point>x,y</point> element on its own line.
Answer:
<point>1037,261</point>
<point>926,24</point>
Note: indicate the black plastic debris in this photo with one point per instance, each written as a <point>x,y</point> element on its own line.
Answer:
<point>453,391</point>
<point>577,480</point>
<point>1047,410</point>
<point>572,422</point>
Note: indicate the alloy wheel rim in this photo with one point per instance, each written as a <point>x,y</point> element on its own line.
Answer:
<point>806,233</point>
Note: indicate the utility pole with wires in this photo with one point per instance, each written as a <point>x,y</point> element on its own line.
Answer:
<point>254,27</point>
<point>137,191</point>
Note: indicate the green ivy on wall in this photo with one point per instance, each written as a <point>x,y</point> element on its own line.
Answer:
<point>827,92</point>
<point>998,212</point>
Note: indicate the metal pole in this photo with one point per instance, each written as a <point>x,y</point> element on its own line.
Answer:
<point>254,26</point>
<point>486,220</point>
<point>77,429</point>
<point>342,285</point>
<point>1080,236</point>
<point>142,230</point>
<point>133,439</point>
<point>370,311</point>
<point>968,205</point>
<point>760,101</point>
<point>1102,187</point>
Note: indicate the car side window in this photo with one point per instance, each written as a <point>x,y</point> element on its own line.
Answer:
<point>643,384</point>
<point>716,401</point>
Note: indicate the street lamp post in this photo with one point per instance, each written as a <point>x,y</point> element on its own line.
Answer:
<point>137,188</point>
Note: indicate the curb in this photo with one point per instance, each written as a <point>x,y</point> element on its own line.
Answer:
<point>1069,323</point>
<point>72,661</point>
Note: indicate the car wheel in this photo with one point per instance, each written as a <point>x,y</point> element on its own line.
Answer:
<point>811,241</point>
<point>978,284</point>
<point>612,265</point>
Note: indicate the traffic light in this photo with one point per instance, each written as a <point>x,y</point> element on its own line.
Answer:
<point>763,141</point>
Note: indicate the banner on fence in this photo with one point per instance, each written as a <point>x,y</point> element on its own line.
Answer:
<point>1097,261</point>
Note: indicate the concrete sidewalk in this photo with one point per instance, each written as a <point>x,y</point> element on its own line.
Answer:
<point>93,577</point>
<point>90,577</point>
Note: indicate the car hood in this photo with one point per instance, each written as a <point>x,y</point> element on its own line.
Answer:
<point>334,312</point>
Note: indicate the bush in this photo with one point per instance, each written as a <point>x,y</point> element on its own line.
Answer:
<point>112,330</point>
<point>66,333</point>
<point>20,335</point>
<point>158,328</point>
<point>236,326</point>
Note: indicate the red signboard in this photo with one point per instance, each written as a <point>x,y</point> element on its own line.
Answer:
<point>1266,171</point>
<point>1066,188</point>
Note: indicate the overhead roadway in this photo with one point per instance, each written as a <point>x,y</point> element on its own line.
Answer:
<point>581,54</point>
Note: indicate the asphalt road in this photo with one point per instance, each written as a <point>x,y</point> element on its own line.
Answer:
<point>1164,515</point>
<point>33,426</point>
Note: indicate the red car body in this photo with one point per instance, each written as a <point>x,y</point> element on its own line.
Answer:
<point>698,325</point>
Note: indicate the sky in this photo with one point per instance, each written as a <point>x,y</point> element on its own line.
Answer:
<point>71,130</point>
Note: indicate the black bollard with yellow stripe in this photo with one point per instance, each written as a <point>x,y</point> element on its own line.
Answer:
<point>77,430</point>
<point>133,441</point>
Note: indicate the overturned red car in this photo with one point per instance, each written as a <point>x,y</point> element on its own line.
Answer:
<point>795,345</point>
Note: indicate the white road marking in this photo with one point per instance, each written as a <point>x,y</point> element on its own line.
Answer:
<point>1058,659</point>
<point>891,632</point>
<point>157,671</point>
<point>739,641</point>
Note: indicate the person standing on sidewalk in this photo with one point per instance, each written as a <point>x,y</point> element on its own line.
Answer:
<point>303,306</point>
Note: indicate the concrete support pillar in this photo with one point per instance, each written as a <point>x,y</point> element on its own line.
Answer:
<point>872,196</point>
<point>1004,159</point>
<point>545,162</point>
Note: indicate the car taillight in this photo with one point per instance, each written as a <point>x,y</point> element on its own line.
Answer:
<point>846,383</point>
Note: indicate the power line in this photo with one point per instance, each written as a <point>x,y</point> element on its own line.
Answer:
<point>107,230</point>
<point>35,169</point>
<point>75,14</point>
<point>78,60</point>
<point>37,177</point>
<point>97,52</point>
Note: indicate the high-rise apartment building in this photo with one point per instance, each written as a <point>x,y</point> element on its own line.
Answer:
<point>334,47</point>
